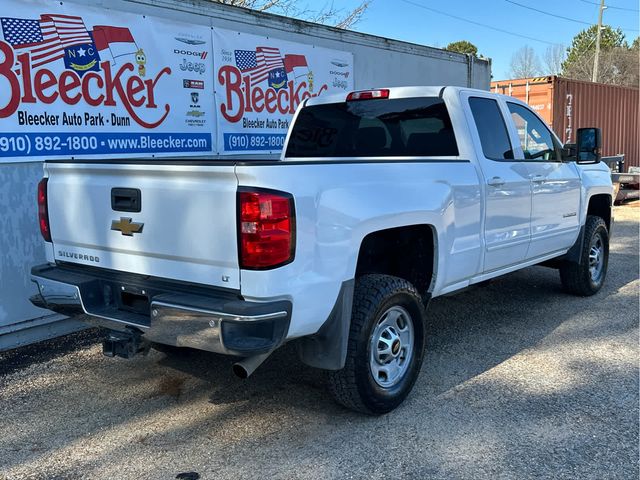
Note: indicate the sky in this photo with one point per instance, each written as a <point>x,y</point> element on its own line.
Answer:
<point>406,20</point>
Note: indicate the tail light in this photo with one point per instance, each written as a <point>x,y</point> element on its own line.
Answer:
<point>266,229</point>
<point>43,210</point>
<point>368,95</point>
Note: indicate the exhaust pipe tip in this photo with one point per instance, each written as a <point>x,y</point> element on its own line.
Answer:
<point>240,371</point>
<point>244,368</point>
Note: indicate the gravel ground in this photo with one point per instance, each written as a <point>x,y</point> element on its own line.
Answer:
<point>520,381</point>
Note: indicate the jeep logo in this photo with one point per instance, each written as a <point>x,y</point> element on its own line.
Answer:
<point>197,67</point>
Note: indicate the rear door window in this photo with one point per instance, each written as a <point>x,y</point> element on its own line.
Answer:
<point>492,130</point>
<point>374,128</point>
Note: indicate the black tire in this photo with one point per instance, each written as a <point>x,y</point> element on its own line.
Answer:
<point>354,386</point>
<point>579,278</point>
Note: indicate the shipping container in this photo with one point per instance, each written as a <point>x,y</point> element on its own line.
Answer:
<point>567,105</point>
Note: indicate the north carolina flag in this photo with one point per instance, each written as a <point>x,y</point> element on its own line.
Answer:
<point>296,64</point>
<point>113,42</point>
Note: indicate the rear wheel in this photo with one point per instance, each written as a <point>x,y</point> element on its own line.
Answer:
<point>386,345</point>
<point>587,277</point>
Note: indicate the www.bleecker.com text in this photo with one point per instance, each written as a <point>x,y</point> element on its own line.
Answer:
<point>72,119</point>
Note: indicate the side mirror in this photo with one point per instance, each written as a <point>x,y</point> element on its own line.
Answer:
<point>588,145</point>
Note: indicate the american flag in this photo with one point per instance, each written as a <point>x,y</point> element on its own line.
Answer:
<point>45,39</point>
<point>259,63</point>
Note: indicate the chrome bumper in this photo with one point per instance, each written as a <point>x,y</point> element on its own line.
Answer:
<point>163,311</point>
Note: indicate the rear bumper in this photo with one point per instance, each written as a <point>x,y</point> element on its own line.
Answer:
<point>171,313</point>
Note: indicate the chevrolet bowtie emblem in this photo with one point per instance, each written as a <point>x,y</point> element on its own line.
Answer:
<point>126,226</point>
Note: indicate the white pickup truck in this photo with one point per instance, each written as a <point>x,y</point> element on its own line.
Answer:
<point>381,200</point>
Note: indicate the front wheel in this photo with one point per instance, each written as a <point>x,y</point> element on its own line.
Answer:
<point>587,277</point>
<point>385,348</point>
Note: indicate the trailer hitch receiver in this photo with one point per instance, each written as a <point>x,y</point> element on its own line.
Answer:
<point>124,344</point>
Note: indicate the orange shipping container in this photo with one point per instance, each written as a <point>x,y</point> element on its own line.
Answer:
<point>567,105</point>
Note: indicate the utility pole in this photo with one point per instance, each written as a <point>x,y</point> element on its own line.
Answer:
<point>596,60</point>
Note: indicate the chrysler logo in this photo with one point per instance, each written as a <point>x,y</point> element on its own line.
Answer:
<point>126,226</point>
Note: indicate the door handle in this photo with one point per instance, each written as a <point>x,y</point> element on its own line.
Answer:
<point>495,182</point>
<point>126,200</point>
<point>538,179</point>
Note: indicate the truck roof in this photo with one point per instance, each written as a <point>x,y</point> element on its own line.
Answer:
<point>399,92</point>
<point>407,92</point>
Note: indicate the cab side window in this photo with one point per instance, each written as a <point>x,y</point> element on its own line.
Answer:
<point>535,138</point>
<point>491,128</point>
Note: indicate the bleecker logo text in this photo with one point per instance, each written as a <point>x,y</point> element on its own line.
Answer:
<point>242,96</point>
<point>94,88</point>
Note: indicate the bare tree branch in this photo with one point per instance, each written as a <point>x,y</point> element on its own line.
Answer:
<point>354,16</point>
<point>617,66</point>
<point>525,63</point>
<point>328,14</point>
<point>554,55</point>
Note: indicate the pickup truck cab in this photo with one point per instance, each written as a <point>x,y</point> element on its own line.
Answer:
<point>381,201</point>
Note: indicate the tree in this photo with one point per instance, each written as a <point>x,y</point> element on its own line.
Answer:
<point>553,57</point>
<point>618,63</point>
<point>525,63</point>
<point>584,44</point>
<point>463,46</point>
<point>328,14</point>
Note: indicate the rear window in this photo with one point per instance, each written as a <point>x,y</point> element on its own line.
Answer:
<point>374,128</point>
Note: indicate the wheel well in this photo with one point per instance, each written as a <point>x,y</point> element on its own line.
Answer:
<point>600,205</point>
<point>405,252</point>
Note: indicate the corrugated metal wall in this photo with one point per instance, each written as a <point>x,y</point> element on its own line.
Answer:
<point>567,105</point>
<point>612,108</point>
<point>537,92</point>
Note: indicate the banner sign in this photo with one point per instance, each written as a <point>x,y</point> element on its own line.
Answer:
<point>259,83</point>
<point>80,81</point>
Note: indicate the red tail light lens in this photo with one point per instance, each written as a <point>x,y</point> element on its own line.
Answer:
<point>368,95</point>
<point>43,210</point>
<point>266,230</point>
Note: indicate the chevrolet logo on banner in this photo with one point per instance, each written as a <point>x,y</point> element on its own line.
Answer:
<point>126,226</point>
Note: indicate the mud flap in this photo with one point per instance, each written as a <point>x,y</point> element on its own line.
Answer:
<point>327,349</point>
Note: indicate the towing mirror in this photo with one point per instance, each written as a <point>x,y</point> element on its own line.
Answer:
<point>588,145</point>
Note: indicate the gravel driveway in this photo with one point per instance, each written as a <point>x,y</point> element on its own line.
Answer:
<point>520,381</point>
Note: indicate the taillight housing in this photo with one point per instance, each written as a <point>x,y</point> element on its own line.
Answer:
<point>43,210</point>
<point>266,228</point>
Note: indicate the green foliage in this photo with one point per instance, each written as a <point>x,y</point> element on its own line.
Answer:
<point>463,46</point>
<point>584,43</point>
<point>618,62</point>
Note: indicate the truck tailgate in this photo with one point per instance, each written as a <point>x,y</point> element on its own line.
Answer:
<point>186,223</point>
